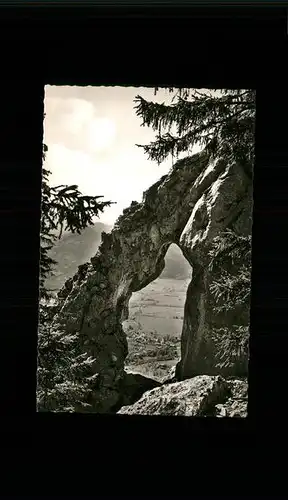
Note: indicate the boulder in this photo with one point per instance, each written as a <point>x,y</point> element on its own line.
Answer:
<point>195,397</point>
<point>236,404</point>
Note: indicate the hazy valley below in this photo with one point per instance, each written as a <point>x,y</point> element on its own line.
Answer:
<point>154,327</point>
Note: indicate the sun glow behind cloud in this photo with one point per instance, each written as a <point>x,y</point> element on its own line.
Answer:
<point>91,134</point>
<point>101,134</point>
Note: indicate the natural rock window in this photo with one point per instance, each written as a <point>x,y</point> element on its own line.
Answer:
<point>155,320</point>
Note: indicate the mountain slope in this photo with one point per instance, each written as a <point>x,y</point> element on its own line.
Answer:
<point>75,249</point>
<point>176,266</point>
<point>72,250</point>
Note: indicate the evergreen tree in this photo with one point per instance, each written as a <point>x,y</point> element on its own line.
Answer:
<point>231,292</point>
<point>62,208</point>
<point>222,122</point>
<point>64,380</point>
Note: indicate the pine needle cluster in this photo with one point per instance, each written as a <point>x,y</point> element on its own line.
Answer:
<point>221,121</point>
<point>64,380</point>
<point>231,291</point>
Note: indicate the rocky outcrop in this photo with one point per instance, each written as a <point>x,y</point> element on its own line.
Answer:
<point>195,397</point>
<point>72,250</point>
<point>227,203</point>
<point>200,396</point>
<point>188,207</point>
<point>133,386</point>
<point>236,404</point>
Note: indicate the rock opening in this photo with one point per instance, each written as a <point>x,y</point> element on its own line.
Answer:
<point>154,324</point>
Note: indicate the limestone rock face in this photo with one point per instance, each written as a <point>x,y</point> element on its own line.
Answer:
<point>195,397</point>
<point>171,377</point>
<point>94,302</point>
<point>227,203</point>
<point>189,206</point>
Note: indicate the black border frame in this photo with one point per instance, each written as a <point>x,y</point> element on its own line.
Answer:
<point>242,49</point>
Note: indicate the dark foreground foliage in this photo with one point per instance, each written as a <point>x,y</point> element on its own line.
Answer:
<point>231,292</point>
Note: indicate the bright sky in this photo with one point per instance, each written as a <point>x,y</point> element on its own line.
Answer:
<point>91,134</point>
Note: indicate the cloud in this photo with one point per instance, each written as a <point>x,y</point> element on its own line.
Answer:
<point>101,133</point>
<point>78,125</point>
<point>68,166</point>
<point>77,115</point>
<point>91,143</point>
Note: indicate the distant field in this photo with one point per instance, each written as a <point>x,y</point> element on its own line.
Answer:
<point>159,306</point>
<point>154,327</point>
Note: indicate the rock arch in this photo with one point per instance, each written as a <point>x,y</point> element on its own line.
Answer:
<point>156,317</point>
<point>187,207</point>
